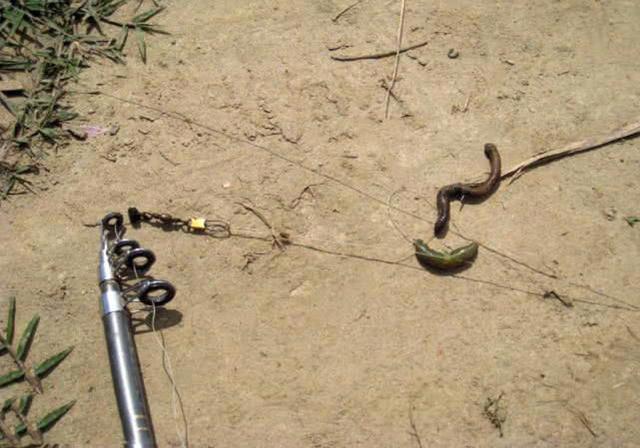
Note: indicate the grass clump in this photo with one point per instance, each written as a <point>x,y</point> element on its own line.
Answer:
<point>44,45</point>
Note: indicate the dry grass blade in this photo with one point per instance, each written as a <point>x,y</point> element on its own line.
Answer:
<point>571,149</point>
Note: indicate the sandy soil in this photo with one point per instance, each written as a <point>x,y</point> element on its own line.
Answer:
<point>308,349</point>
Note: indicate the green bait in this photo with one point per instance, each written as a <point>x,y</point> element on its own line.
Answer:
<point>445,260</point>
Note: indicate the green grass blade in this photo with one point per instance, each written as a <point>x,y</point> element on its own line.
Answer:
<point>7,104</point>
<point>143,17</point>
<point>122,39</point>
<point>7,404</point>
<point>11,377</point>
<point>25,403</point>
<point>17,64</point>
<point>51,363</point>
<point>8,188</point>
<point>48,420</point>
<point>14,17</point>
<point>150,28</point>
<point>11,320</point>
<point>48,133</point>
<point>27,338</point>
<point>142,46</point>
<point>632,220</point>
<point>52,417</point>
<point>24,169</point>
<point>108,7</point>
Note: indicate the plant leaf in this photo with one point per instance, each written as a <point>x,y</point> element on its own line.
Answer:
<point>142,47</point>
<point>48,420</point>
<point>143,17</point>
<point>21,64</point>
<point>632,220</point>
<point>52,417</point>
<point>24,169</point>
<point>14,16</point>
<point>11,377</point>
<point>25,403</point>
<point>11,320</point>
<point>50,364</point>
<point>49,133</point>
<point>7,404</point>
<point>27,338</point>
<point>122,38</point>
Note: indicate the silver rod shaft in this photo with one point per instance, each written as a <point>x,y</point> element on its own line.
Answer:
<point>126,375</point>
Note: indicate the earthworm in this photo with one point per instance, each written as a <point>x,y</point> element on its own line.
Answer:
<point>445,260</point>
<point>459,191</point>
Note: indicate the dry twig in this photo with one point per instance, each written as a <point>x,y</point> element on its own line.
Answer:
<point>571,149</point>
<point>394,76</point>
<point>558,297</point>
<point>382,55</point>
<point>9,434</point>
<point>296,201</point>
<point>345,10</point>
<point>280,239</point>
<point>583,419</point>
<point>414,430</point>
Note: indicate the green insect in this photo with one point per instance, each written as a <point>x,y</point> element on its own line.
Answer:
<point>445,260</point>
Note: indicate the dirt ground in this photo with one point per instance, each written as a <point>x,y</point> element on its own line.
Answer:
<point>299,348</point>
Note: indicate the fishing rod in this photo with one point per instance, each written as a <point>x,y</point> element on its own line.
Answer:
<point>123,279</point>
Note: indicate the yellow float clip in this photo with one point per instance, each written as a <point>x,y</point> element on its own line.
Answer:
<point>198,223</point>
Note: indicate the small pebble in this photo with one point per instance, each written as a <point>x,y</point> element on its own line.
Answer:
<point>452,53</point>
<point>610,213</point>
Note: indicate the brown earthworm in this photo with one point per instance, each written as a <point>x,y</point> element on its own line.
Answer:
<point>459,191</point>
